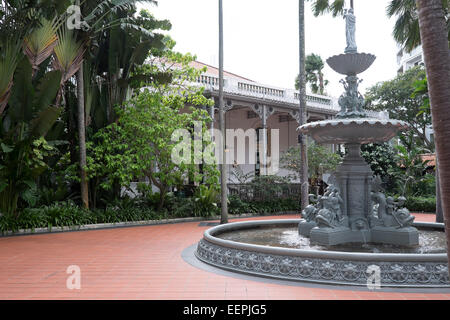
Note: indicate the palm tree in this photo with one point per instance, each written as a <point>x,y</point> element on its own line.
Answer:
<point>304,193</point>
<point>406,30</point>
<point>314,74</point>
<point>434,35</point>
<point>84,187</point>
<point>68,56</point>
<point>39,45</point>
<point>336,7</point>
<point>223,165</point>
<point>103,15</point>
<point>318,7</point>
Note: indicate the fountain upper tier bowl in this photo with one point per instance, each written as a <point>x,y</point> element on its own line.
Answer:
<point>351,63</point>
<point>353,131</point>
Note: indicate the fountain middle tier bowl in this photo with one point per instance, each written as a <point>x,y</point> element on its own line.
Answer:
<point>353,131</point>
<point>351,63</point>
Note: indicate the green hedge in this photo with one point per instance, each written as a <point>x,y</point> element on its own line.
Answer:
<point>69,214</point>
<point>238,206</point>
<point>421,204</point>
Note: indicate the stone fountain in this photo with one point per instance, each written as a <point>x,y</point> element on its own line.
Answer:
<point>354,208</point>
<point>352,216</point>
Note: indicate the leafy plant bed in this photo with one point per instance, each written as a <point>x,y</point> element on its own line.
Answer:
<point>34,222</point>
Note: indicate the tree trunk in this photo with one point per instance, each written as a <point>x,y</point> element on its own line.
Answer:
<point>321,83</point>
<point>302,83</point>
<point>434,35</point>
<point>82,139</point>
<point>162,198</point>
<point>439,213</point>
<point>223,164</point>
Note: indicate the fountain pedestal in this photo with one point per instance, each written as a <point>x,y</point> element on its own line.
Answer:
<point>352,218</point>
<point>354,178</point>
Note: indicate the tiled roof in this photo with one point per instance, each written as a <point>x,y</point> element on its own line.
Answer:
<point>431,157</point>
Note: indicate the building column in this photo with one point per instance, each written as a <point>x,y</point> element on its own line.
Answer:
<point>264,112</point>
<point>264,142</point>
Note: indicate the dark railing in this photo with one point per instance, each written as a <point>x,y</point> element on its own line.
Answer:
<point>249,192</point>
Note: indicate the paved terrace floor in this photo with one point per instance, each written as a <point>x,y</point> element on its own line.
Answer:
<point>145,263</point>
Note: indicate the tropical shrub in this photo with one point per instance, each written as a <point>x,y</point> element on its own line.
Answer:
<point>27,118</point>
<point>421,204</point>
<point>321,160</point>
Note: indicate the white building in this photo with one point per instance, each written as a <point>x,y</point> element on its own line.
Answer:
<point>406,61</point>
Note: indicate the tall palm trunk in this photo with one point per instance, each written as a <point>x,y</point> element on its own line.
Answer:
<point>321,83</point>
<point>84,187</point>
<point>434,35</point>
<point>82,138</point>
<point>302,84</point>
<point>439,213</point>
<point>223,164</point>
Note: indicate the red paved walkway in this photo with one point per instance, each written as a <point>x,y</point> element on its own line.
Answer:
<point>139,263</point>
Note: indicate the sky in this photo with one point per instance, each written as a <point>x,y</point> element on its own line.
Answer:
<point>261,39</point>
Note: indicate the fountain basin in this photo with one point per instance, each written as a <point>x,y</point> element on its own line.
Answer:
<point>331,267</point>
<point>351,63</point>
<point>353,131</point>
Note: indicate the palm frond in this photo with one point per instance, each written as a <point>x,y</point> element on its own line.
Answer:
<point>337,7</point>
<point>9,59</point>
<point>320,7</point>
<point>406,29</point>
<point>38,45</point>
<point>111,6</point>
<point>68,53</point>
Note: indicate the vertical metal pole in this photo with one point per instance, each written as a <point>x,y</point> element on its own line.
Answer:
<point>223,164</point>
<point>351,5</point>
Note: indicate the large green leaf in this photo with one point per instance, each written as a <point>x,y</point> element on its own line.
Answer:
<point>47,89</point>
<point>5,148</point>
<point>56,132</point>
<point>44,121</point>
<point>111,6</point>
<point>22,92</point>
<point>140,54</point>
<point>9,59</point>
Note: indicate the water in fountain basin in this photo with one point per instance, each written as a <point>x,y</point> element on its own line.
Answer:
<point>429,241</point>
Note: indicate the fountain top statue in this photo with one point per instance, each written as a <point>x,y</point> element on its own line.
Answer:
<point>350,31</point>
<point>351,62</point>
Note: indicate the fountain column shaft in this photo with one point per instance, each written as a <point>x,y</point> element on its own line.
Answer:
<point>354,176</point>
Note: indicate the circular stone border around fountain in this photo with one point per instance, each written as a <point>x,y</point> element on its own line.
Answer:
<point>326,267</point>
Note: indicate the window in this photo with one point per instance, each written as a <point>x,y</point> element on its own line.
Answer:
<point>284,118</point>
<point>251,115</point>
